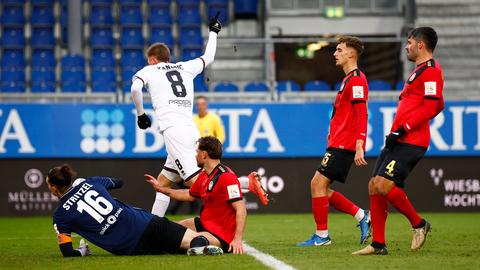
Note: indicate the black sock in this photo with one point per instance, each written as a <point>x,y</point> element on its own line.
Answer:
<point>421,224</point>
<point>199,241</point>
<point>378,245</point>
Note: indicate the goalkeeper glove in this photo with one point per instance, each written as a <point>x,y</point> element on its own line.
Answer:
<point>393,137</point>
<point>84,249</point>
<point>144,121</point>
<point>215,25</point>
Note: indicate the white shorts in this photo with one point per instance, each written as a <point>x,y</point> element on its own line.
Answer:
<point>181,151</point>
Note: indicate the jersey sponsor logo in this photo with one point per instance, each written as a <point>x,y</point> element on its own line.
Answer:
<point>430,88</point>
<point>180,102</point>
<point>233,192</point>
<point>357,91</point>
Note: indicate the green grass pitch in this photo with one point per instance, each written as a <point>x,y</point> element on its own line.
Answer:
<point>30,243</point>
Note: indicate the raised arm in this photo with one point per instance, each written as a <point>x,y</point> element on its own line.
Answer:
<point>215,27</point>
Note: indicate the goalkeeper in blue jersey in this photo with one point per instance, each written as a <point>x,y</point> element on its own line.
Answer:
<point>87,208</point>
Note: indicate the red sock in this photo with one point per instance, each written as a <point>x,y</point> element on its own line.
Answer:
<point>399,200</point>
<point>378,217</point>
<point>320,212</point>
<point>341,203</point>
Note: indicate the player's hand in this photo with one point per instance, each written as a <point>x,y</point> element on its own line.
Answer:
<point>393,137</point>
<point>236,247</point>
<point>84,249</point>
<point>215,25</point>
<point>144,121</point>
<point>360,158</point>
<point>153,181</point>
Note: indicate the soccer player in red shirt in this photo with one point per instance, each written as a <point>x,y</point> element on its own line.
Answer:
<point>346,144</point>
<point>223,214</point>
<point>420,101</point>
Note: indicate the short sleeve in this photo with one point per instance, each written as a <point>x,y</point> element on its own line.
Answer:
<point>142,75</point>
<point>432,83</point>
<point>359,89</point>
<point>194,66</point>
<point>195,188</point>
<point>231,186</point>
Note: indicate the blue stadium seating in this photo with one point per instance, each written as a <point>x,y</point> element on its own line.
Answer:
<point>43,80</point>
<point>130,2</point>
<point>160,16</point>
<point>189,54</point>
<point>42,37</point>
<point>133,58</point>
<point>131,16</point>
<point>245,8</point>
<point>103,80</point>
<point>13,58</point>
<point>132,37</point>
<point>13,80</point>
<point>338,85</point>
<point>399,85</point>
<point>13,2</point>
<point>317,86</point>
<point>188,3</point>
<point>103,58</point>
<point>283,86</point>
<point>128,72</point>
<point>379,85</point>
<point>256,86</point>
<point>101,17</point>
<point>212,11</point>
<point>191,37</point>
<point>217,2</point>
<point>72,61</point>
<point>162,35</point>
<point>43,58</point>
<point>157,3</point>
<point>189,16</point>
<point>13,16</point>
<point>102,38</point>
<point>42,16</point>
<point>42,2</point>
<point>13,37</point>
<point>226,87</point>
<point>73,79</point>
<point>199,83</point>
<point>100,3</point>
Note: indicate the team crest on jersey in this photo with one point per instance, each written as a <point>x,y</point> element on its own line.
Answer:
<point>357,91</point>
<point>430,88</point>
<point>233,192</point>
<point>412,77</point>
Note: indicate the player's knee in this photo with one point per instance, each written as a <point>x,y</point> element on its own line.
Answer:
<point>372,190</point>
<point>383,186</point>
<point>199,241</point>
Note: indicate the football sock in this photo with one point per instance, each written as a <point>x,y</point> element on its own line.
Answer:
<point>399,200</point>
<point>359,215</point>
<point>160,205</point>
<point>320,212</point>
<point>341,203</point>
<point>322,233</point>
<point>378,217</point>
<point>199,241</point>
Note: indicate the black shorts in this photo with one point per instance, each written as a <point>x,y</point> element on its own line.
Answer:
<point>336,164</point>
<point>200,228</point>
<point>161,236</point>
<point>395,164</point>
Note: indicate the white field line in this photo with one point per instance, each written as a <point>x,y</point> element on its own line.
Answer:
<point>266,259</point>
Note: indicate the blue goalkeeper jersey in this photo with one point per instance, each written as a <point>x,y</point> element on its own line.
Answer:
<point>89,210</point>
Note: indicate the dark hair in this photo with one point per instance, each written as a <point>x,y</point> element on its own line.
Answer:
<point>352,42</point>
<point>211,145</point>
<point>425,34</point>
<point>160,51</point>
<point>62,176</point>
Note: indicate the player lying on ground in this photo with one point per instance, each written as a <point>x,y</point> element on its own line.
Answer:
<point>171,89</point>
<point>223,212</point>
<point>87,208</point>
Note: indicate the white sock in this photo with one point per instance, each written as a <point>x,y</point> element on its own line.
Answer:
<point>243,183</point>
<point>161,204</point>
<point>322,233</point>
<point>360,214</point>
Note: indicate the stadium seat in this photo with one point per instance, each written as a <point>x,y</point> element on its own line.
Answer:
<point>256,86</point>
<point>317,86</point>
<point>399,85</point>
<point>13,80</point>
<point>42,2</point>
<point>103,58</point>
<point>189,54</point>
<point>245,8</point>
<point>191,37</point>
<point>131,16</point>
<point>72,61</point>
<point>130,2</point>
<point>128,72</point>
<point>159,3</point>
<point>212,11</point>
<point>73,80</point>
<point>102,38</point>
<point>103,80</point>
<point>13,2</point>
<point>13,58</point>
<point>100,3</point>
<point>188,3</point>
<point>13,16</point>
<point>226,87</point>
<point>43,58</point>
<point>162,35</point>
<point>101,16</point>
<point>43,80</point>
<point>217,2</point>
<point>199,83</point>
<point>283,86</point>
<point>132,37</point>
<point>13,37</point>
<point>160,16</point>
<point>42,16</point>
<point>42,37</point>
<point>133,58</point>
<point>338,85</point>
<point>379,85</point>
<point>189,16</point>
